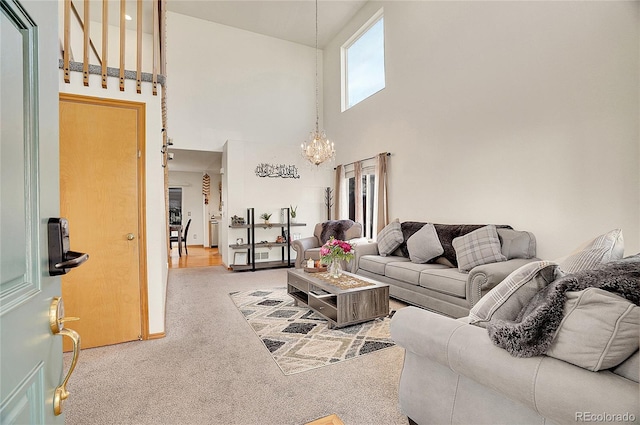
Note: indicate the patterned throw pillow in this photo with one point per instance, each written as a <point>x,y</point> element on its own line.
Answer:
<point>602,249</point>
<point>424,245</point>
<point>390,238</point>
<point>481,246</point>
<point>506,300</point>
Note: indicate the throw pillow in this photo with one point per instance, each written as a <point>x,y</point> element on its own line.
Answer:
<point>602,249</point>
<point>390,238</point>
<point>482,246</point>
<point>517,243</point>
<point>599,330</point>
<point>424,245</point>
<point>508,298</point>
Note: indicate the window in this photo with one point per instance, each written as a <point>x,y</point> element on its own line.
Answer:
<point>363,62</point>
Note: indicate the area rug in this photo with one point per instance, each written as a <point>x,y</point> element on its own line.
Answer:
<point>299,339</point>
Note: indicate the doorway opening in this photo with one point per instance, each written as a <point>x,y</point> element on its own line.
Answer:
<point>175,206</point>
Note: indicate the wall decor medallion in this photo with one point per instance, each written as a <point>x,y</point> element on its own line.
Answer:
<point>279,170</point>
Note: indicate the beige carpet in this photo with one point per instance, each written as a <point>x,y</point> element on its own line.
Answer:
<point>211,369</point>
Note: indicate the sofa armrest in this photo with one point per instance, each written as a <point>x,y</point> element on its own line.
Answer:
<point>301,245</point>
<point>483,278</point>
<point>369,248</point>
<point>423,332</point>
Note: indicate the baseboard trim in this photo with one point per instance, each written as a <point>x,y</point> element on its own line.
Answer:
<point>158,335</point>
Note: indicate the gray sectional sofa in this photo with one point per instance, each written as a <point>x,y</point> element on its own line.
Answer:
<point>439,285</point>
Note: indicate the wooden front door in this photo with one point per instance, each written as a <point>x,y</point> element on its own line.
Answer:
<point>102,196</point>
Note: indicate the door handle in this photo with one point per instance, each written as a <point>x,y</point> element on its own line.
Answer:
<point>130,236</point>
<point>72,259</point>
<point>56,323</point>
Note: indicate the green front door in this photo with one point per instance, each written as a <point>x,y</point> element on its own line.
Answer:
<point>30,354</point>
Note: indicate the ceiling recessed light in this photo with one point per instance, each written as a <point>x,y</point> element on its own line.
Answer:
<point>127,17</point>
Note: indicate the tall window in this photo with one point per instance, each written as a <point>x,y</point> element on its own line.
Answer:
<point>363,62</point>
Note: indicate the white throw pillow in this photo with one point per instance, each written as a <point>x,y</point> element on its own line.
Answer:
<point>424,245</point>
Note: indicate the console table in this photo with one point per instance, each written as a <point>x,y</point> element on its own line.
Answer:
<point>341,307</point>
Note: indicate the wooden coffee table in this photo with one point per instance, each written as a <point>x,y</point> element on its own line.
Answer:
<point>340,306</point>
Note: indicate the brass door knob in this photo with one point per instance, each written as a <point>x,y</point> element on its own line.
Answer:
<point>130,236</point>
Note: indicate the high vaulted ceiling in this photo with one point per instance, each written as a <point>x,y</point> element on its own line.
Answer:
<point>292,20</point>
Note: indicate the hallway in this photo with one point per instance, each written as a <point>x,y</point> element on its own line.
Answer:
<point>198,257</point>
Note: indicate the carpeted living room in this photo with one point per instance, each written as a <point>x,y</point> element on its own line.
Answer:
<point>492,112</point>
<point>417,212</point>
<point>212,368</point>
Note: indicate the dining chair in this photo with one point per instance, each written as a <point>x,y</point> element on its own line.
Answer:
<point>178,240</point>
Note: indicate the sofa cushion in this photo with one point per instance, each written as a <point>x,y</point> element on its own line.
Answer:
<point>630,368</point>
<point>407,271</point>
<point>445,280</point>
<point>389,238</point>
<point>507,299</point>
<point>517,243</point>
<point>482,246</point>
<point>599,330</point>
<point>602,249</point>
<point>377,264</point>
<point>424,245</point>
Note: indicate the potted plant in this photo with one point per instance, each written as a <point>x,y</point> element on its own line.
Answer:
<point>293,213</point>
<point>265,217</point>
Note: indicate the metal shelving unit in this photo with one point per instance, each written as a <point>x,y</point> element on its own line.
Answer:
<point>251,244</point>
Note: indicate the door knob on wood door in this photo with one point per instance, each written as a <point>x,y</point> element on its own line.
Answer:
<point>56,322</point>
<point>130,236</point>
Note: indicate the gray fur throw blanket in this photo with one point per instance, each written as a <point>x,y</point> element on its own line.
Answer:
<point>533,330</point>
<point>335,228</point>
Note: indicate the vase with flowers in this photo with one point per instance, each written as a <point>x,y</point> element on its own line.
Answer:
<point>333,252</point>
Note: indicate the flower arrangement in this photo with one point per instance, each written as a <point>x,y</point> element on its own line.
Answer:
<point>292,211</point>
<point>332,252</point>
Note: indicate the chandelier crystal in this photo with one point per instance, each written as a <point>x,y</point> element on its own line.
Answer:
<point>318,148</point>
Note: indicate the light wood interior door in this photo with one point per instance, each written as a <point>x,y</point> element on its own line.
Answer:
<point>102,195</point>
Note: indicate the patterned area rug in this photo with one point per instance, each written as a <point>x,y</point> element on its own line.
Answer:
<point>299,339</point>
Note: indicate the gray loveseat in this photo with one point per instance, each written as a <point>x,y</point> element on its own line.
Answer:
<point>439,285</point>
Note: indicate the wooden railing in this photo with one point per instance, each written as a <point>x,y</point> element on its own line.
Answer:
<point>156,15</point>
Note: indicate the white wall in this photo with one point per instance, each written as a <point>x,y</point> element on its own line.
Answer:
<point>257,92</point>
<point>520,113</point>
<point>269,195</point>
<point>157,266</point>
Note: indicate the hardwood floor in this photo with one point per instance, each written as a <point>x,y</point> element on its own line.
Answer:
<point>198,257</point>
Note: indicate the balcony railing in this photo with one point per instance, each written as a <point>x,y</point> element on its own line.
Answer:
<point>79,18</point>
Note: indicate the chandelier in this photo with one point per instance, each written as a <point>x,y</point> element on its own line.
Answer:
<point>318,148</point>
